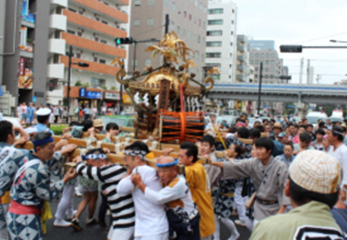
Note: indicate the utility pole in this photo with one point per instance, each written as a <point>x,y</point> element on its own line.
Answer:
<point>260,82</point>
<point>308,71</point>
<point>69,82</point>
<point>167,23</point>
<point>121,94</point>
<point>301,69</point>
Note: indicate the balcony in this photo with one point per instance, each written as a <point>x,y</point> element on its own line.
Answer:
<point>57,46</point>
<point>26,54</point>
<point>93,66</point>
<point>122,2</point>
<point>241,48</point>
<point>241,67</point>
<point>93,46</point>
<point>58,22</point>
<point>55,71</point>
<point>103,9</point>
<point>59,3</point>
<point>240,77</point>
<point>92,24</point>
<point>241,57</point>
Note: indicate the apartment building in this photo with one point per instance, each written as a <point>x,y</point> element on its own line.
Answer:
<point>264,51</point>
<point>29,48</point>
<point>92,27</point>
<point>186,17</point>
<point>221,38</point>
<point>244,73</point>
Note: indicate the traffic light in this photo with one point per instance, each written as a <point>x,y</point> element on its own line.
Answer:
<point>51,85</point>
<point>291,48</point>
<point>120,41</point>
<point>286,77</point>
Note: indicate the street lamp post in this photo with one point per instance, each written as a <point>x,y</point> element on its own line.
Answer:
<point>260,82</point>
<point>80,64</point>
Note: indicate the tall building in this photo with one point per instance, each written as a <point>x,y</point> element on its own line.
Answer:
<point>92,27</point>
<point>243,70</point>
<point>186,17</point>
<point>262,44</point>
<point>31,44</point>
<point>221,38</point>
<point>264,51</point>
<point>39,44</point>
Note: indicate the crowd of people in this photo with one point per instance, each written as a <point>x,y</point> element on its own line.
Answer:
<point>282,180</point>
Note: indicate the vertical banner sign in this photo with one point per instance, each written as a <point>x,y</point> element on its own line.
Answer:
<point>21,66</point>
<point>25,9</point>
<point>25,75</point>
<point>23,38</point>
<point>163,98</point>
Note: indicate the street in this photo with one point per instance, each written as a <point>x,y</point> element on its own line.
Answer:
<point>95,232</point>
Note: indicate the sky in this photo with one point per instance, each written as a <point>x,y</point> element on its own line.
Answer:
<point>300,22</point>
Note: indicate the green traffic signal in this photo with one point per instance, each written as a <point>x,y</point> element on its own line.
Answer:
<point>118,41</point>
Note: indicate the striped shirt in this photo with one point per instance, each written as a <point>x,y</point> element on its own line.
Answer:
<point>121,206</point>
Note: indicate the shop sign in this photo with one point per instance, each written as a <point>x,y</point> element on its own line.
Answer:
<point>126,98</point>
<point>90,94</point>
<point>112,96</point>
<point>25,75</point>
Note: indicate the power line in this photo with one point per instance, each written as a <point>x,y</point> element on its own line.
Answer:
<point>311,40</point>
<point>148,31</point>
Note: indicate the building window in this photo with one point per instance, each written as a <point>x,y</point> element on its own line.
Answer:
<point>151,2</point>
<point>188,35</point>
<point>215,22</point>
<point>272,62</point>
<point>136,22</point>
<point>178,29</point>
<point>214,44</point>
<point>252,62</point>
<point>95,82</point>
<point>267,62</point>
<point>215,33</point>
<point>72,10</point>
<point>104,22</point>
<point>103,61</point>
<point>215,11</point>
<point>150,21</point>
<point>184,13</point>
<point>262,55</point>
<point>273,55</point>
<point>232,33</point>
<point>217,65</point>
<point>178,10</point>
<point>148,62</point>
<point>232,22</point>
<point>173,6</point>
<point>199,39</point>
<point>190,17</point>
<point>103,41</point>
<point>271,69</point>
<point>137,3</point>
<point>256,62</point>
<point>71,32</point>
<point>194,37</point>
<point>183,32</point>
<point>214,55</point>
<point>167,3</point>
<point>267,55</point>
<point>266,69</point>
<point>233,11</point>
<point>257,55</point>
<point>252,54</point>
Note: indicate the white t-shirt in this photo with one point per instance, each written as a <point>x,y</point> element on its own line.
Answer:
<point>150,219</point>
<point>341,154</point>
<point>177,189</point>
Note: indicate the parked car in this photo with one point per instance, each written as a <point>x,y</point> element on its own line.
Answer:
<point>230,120</point>
<point>231,113</point>
<point>121,121</point>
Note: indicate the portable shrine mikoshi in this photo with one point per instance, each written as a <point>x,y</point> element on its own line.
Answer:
<point>172,113</point>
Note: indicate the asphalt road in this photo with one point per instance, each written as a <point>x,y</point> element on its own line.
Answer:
<point>95,232</point>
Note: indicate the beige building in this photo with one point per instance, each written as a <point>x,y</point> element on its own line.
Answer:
<point>186,17</point>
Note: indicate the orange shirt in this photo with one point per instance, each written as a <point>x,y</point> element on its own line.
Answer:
<point>198,181</point>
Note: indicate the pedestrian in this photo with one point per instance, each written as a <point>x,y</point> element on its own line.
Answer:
<point>12,160</point>
<point>304,143</point>
<point>339,151</point>
<point>150,219</point>
<point>318,143</point>
<point>94,112</point>
<point>339,213</point>
<point>198,181</point>
<point>43,115</point>
<point>112,130</point>
<point>56,112</point>
<point>29,194</point>
<point>287,157</point>
<point>268,176</point>
<point>183,217</point>
<point>103,109</point>
<point>30,114</point>
<point>122,207</point>
<point>86,111</point>
<point>24,112</point>
<point>313,189</point>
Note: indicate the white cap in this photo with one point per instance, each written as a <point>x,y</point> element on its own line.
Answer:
<point>43,112</point>
<point>30,130</point>
<point>316,171</point>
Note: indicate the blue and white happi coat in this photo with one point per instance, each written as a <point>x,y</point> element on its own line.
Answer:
<point>32,188</point>
<point>11,159</point>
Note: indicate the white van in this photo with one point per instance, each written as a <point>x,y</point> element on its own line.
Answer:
<point>313,117</point>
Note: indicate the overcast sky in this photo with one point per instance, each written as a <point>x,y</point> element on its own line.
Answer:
<point>305,22</point>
